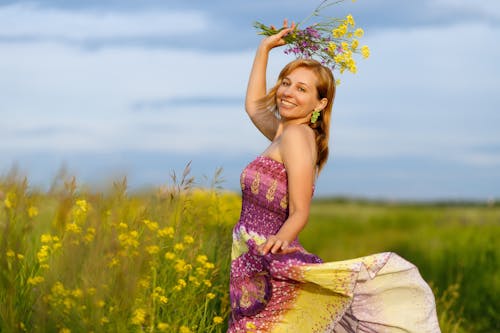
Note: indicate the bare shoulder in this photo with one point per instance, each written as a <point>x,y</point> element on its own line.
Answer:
<point>298,143</point>
<point>298,133</point>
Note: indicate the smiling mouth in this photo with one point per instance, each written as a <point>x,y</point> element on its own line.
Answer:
<point>286,103</point>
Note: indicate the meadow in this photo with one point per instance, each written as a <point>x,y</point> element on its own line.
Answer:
<point>74,259</point>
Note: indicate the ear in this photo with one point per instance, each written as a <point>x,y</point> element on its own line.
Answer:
<point>322,104</point>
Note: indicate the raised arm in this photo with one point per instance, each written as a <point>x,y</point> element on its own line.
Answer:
<point>264,120</point>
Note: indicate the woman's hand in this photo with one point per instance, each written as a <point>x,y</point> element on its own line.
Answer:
<point>276,40</point>
<point>276,245</point>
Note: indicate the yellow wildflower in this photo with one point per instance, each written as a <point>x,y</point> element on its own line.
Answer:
<point>201,258</point>
<point>163,327</point>
<point>210,295</point>
<point>151,225</point>
<point>138,317</point>
<point>169,256</point>
<point>365,51</point>
<point>218,320</point>
<point>10,200</point>
<point>153,249</point>
<point>359,32</point>
<point>73,227</point>
<point>163,299</point>
<point>185,329</point>
<point>82,204</point>
<point>64,330</point>
<point>100,303</point>
<point>188,240</point>
<point>354,44</point>
<point>123,225</point>
<point>209,265</point>
<point>350,20</point>
<point>46,238</point>
<point>35,280</point>
<point>32,211</point>
<point>104,320</point>
<point>207,283</point>
<point>43,253</point>
<point>337,82</point>
<point>179,247</point>
<point>77,293</point>
<point>20,256</point>
<point>166,232</point>
<point>10,253</point>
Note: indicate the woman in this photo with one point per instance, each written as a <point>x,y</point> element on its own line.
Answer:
<point>277,286</point>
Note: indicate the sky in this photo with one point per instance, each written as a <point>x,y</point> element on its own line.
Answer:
<point>106,89</point>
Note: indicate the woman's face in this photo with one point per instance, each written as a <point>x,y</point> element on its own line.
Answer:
<point>297,96</point>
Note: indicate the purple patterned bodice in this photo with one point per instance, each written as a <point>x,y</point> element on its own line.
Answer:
<point>264,196</point>
<point>264,209</point>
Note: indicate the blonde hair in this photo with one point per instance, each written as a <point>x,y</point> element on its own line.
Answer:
<point>325,88</point>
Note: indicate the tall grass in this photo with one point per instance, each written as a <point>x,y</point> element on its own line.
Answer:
<point>73,259</point>
<point>78,261</point>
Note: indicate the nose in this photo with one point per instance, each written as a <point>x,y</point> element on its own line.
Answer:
<point>287,92</point>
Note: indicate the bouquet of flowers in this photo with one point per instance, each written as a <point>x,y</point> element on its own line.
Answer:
<point>332,41</point>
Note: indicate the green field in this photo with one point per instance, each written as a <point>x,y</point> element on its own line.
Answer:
<point>76,260</point>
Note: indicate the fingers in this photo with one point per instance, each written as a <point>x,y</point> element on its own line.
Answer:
<point>275,245</point>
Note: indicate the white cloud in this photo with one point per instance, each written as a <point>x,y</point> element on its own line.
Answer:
<point>22,20</point>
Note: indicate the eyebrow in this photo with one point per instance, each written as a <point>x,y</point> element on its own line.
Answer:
<point>303,83</point>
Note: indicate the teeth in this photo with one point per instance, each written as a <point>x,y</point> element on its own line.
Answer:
<point>287,103</point>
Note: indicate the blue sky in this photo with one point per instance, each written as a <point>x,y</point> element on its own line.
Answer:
<point>109,88</point>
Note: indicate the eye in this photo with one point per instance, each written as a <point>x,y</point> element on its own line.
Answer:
<point>301,89</point>
<point>285,83</point>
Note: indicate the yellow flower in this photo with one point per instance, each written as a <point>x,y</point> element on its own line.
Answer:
<point>151,225</point>
<point>46,238</point>
<point>139,316</point>
<point>10,200</point>
<point>153,249</point>
<point>77,293</point>
<point>73,227</point>
<point>20,256</point>
<point>169,256</point>
<point>184,329</point>
<point>64,330</point>
<point>104,320</point>
<point>354,44</point>
<point>100,303</point>
<point>359,33</point>
<point>32,211</point>
<point>163,299</point>
<point>207,283</point>
<point>337,82</point>
<point>82,204</point>
<point>179,247</point>
<point>43,253</point>
<point>163,327</point>
<point>10,253</point>
<point>350,20</point>
<point>210,295</point>
<point>209,265</point>
<point>365,51</point>
<point>35,280</point>
<point>123,225</point>
<point>188,240</point>
<point>166,232</point>
<point>218,320</point>
<point>201,258</point>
